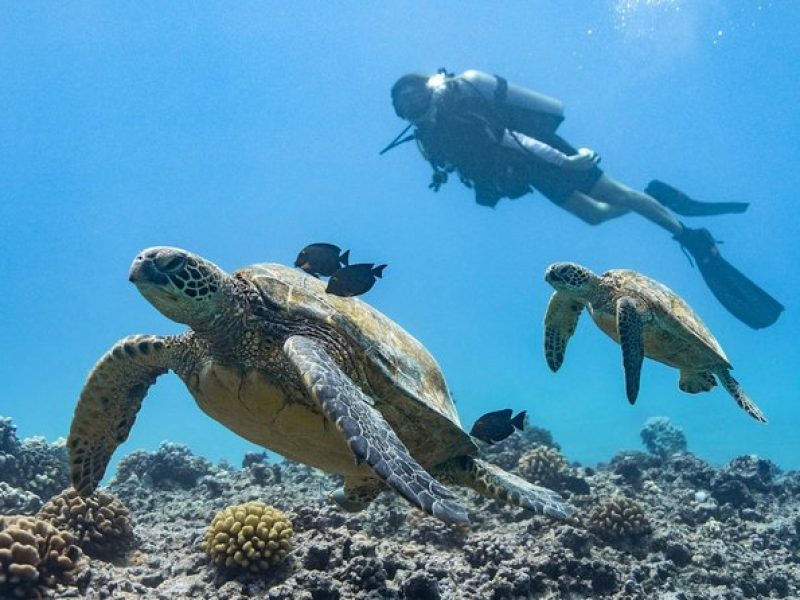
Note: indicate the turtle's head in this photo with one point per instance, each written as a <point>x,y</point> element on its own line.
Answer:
<point>181,285</point>
<point>571,278</point>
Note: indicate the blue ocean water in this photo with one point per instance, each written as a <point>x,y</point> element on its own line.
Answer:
<point>245,131</point>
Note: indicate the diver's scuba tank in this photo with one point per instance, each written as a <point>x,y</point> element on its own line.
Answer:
<point>525,111</point>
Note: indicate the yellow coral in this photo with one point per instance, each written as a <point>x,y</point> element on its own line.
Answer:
<point>249,536</point>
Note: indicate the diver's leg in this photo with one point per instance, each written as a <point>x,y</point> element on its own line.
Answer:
<point>590,210</point>
<point>615,193</point>
<point>742,297</point>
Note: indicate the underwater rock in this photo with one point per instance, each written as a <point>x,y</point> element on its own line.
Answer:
<point>169,466</point>
<point>727,489</point>
<point>758,474</point>
<point>481,552</point>
<point>662,438</point>
<point>632,465</point>
<point>422,586</point>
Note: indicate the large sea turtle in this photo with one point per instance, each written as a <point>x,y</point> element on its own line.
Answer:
<point>324,380</point>
<point>647,319</point>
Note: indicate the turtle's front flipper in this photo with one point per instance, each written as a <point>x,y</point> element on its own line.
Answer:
<point>560,322</point>
<point>742,399</point>
<point>109,402</point>
<point>367,433</point>
<point>493,482</point>
<point>629,326</point>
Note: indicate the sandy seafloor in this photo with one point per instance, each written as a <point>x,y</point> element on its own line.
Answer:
<point>707,532</point>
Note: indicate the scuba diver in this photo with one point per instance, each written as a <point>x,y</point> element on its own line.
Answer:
<point>501,140</point>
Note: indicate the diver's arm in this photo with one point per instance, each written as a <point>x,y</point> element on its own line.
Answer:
<point>591,211</point>
<point>584,159</point>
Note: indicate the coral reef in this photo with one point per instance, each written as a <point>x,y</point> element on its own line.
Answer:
<point>17,501</point>
<point>31,470</point>
<point>100,524</point>
<point>542,465</point>
<point>172,465</point>
<point>506,454</point>
<point>9,450</point>
<point>34,555</point>
<point>618,518</point>
<point>43,466</point>
<point>729,532</point>
<point>250,536</point>
<point>662,438</point>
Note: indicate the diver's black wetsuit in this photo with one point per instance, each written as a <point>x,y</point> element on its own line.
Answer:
<point>466,133</point>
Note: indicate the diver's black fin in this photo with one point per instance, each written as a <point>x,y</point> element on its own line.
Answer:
<point>378,271</point>
<point>345,258</point>
<point>680,203</point>
<point>744,299</point>
<point>519,421</point>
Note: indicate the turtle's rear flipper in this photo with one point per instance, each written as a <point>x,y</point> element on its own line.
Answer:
<point>680,203</point>
<point>694,382</point>
<point>493,482</point>
<point>742,297</point>
<point>367,433</point>
<point>743,400</point>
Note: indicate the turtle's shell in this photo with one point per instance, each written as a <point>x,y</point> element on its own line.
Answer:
<point>673,333</point>
<point>395,370</point>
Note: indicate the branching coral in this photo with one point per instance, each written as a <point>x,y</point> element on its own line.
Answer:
<point>248,536</point>
<point>100,523</point>
<point>618,518</point>
<point>34,555</point>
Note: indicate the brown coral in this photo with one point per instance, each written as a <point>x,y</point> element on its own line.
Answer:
<point>618,518</point>
<point>542,465</point>
<point>34,555</point>
<point>100,523</point>
<point>248,536</point>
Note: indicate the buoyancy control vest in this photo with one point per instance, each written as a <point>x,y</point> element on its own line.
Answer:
<point>522,110</point>
<point>531,113</point>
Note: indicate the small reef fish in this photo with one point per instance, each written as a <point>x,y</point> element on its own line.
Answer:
<point>322,259</point>
<point>354,280</point>
<point>497,425</point>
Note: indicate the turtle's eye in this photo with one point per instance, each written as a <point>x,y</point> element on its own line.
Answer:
<point>172,264</point>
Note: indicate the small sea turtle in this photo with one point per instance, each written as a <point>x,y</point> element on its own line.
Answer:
<point>324,380</point>
<point>647,319</point>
